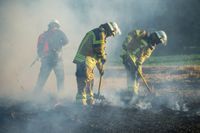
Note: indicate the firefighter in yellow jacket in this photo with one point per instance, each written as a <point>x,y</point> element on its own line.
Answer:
<point>91,53</point>
<point>139,44</point>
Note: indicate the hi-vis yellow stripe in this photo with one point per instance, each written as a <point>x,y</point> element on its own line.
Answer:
<point>96,41</point>
<point>89,35</point>
<point>80,57</point>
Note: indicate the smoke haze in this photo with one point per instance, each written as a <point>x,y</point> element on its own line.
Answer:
<point>23,21</point>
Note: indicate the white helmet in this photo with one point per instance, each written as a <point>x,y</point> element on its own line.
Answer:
<point>111,28</point>
<point>54,23</point>
<point>114,28</point>
<point>162,37</point>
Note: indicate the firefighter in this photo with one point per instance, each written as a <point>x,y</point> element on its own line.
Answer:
<point>49,50</point>
<point>139,44</point>
<point>91,54</point>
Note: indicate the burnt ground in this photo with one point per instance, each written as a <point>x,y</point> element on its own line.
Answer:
<point>175,108</point>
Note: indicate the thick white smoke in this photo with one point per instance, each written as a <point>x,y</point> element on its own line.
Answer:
<point>22,21</point>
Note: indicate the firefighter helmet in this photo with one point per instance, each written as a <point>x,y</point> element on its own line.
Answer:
<point>111,28</point>
<point>54,23</point>
<point>114,28</point>
<point>162,36</point>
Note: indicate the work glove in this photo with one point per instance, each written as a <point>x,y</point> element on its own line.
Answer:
<point>103,61</point>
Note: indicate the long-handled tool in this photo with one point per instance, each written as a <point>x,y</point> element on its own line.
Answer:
<point>145,82</point>
<point>140,74</point>
<point>98,96</point>
<point>35,60</point>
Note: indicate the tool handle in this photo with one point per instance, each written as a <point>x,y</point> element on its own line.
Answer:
<point>145,82</point>
<point>140,74</point>
<point>99,85</point>
<point>35,60</point>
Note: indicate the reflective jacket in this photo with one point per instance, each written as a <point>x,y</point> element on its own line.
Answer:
<point>92,48</point>
<point>137,46</point>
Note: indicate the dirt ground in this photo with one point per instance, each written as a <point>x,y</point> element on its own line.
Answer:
<point>174,108</point>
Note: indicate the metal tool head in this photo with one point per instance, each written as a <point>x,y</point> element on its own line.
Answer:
<point>99,97</point>
<point>100,100</point>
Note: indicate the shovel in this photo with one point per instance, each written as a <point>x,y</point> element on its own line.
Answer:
<point>98,96</point>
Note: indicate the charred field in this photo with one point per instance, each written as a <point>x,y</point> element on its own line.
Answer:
<point>175,108</point>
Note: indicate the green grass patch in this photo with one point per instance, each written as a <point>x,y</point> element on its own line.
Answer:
<point>173,60</point>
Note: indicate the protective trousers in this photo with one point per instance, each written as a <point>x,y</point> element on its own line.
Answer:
<point>85,82</point>
<point>133,77</point>
<point>46,67</point>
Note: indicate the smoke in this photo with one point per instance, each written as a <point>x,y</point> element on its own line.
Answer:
<point>23,21</point>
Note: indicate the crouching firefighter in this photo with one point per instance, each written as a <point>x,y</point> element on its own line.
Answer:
<point>91,53</point>
<point>136,48</point>
<point>49,50</point>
